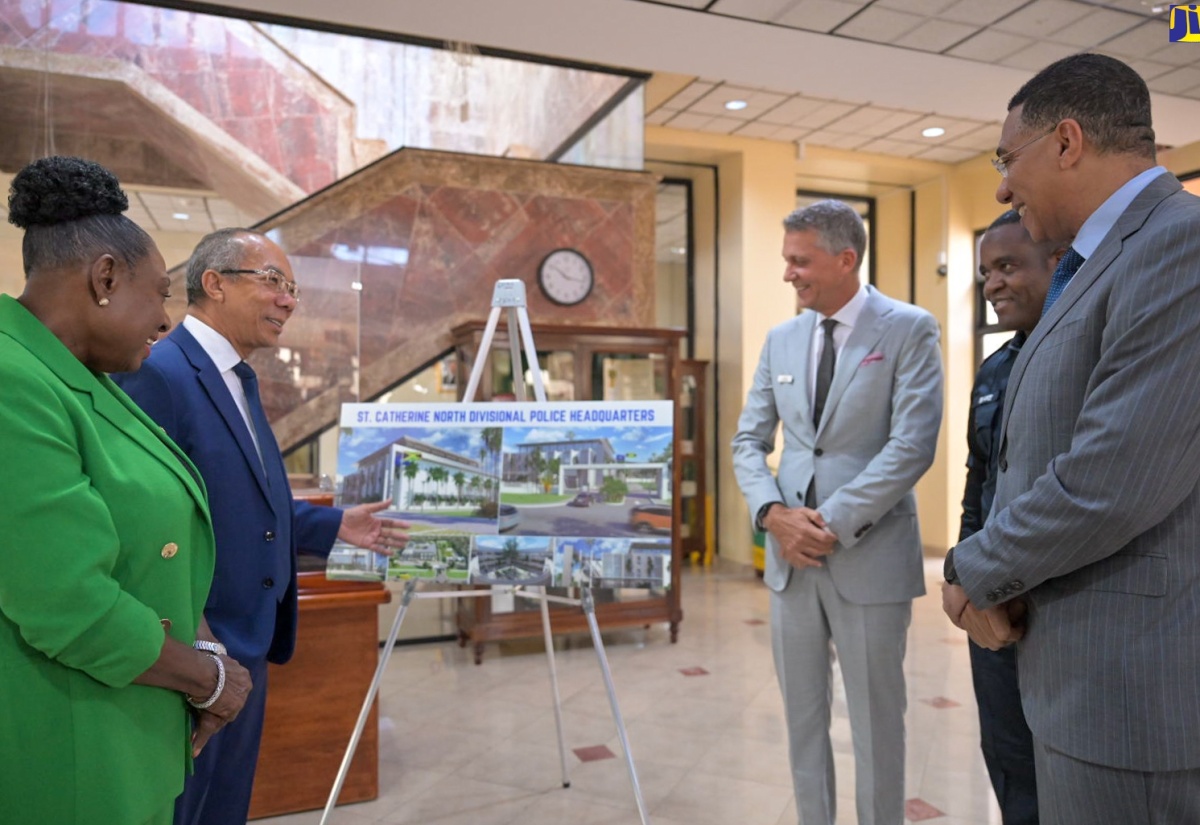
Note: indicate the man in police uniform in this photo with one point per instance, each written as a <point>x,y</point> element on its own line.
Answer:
<point>1015,273</point>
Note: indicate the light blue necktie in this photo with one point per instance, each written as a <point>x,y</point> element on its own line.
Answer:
<point>1068,265</point>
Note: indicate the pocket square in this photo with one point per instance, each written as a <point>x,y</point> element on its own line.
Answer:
<point>872,358</point>
<point>783,379</point>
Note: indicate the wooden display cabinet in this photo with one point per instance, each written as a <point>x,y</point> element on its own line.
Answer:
<point>581,364</point>
<point>691,460</point>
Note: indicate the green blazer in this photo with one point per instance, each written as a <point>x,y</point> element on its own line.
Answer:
<point>105,535</point>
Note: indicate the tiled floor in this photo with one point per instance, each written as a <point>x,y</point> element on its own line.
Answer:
<point>466,744</point>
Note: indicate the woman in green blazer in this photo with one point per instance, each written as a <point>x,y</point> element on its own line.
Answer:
<point>106,546</point>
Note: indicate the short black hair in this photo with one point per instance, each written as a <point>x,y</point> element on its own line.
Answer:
<point>1010,217</point>
<point>70,209</point>
<point>1108,99</point>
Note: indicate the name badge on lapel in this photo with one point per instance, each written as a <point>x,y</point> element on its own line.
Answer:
<point>783,379</point>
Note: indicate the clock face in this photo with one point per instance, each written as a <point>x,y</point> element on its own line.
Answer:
<point>566,277</point>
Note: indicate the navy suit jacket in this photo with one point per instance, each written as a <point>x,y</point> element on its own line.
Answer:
<point>251,608</point>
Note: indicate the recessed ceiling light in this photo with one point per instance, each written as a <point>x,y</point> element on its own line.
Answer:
<point>933,131</point>
<point>736,105</point>
<point>180,216</point>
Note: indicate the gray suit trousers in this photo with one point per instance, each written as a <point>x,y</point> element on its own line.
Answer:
<point>870,641</point>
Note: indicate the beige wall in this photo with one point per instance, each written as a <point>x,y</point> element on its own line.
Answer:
<point>756,191</point>
<point>174,246</point>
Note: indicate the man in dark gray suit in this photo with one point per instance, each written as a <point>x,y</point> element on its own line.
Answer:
<point>1093,547</point>
<point>856,384</point>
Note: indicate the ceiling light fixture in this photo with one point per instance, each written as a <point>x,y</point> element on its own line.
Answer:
<point>736,105</point>
<point>180,216</point>
<point>933,131</point>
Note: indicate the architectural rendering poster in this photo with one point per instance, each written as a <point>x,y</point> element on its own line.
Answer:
<point>572,494</point>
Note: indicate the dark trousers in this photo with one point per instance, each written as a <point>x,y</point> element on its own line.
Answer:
<point>1004,735</point>
<point>218,793</point>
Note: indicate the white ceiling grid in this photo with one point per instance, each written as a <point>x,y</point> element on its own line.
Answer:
<point>1020,34</point>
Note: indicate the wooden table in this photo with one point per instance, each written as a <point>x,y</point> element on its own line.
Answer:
<point>314,701</point>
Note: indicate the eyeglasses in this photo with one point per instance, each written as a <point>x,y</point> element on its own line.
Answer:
<point>1001,163</point>
<point>271,278</point>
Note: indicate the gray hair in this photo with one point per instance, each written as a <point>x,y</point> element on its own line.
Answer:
<point>837,226</point>
<point>217,251</point>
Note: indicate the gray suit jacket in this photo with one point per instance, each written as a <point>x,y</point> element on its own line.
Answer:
<point>1097,511</point>
<point>878,435</point>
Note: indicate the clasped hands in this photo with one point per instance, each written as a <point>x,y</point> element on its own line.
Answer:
<point>228,705</point>
<point>803,537</point>
<point>360,526</point>
<point>993,628</point>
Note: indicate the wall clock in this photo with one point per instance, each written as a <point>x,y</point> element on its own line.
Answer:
<point>566,277</point>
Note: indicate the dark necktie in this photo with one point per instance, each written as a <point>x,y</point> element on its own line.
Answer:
<point>280,493</point>
<point>1068,265</point>
<point>824,370</point>
<point>258,416</point>
<point>825,365</point>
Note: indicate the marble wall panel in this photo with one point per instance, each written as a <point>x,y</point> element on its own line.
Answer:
<point>431,233</point>
<point>231,72</point>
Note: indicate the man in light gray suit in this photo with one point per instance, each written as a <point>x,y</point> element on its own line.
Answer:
<point>1093,547</point>
<point>856,383</point>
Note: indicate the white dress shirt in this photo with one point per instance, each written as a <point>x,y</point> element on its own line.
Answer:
<point>846,317</point>
<point>222,353</point>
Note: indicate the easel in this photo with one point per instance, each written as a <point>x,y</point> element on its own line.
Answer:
<point>508,295</point>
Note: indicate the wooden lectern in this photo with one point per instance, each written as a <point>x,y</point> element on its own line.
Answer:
<point>315,699</point>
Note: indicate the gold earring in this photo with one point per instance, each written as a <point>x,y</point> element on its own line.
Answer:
<point>103,302</point>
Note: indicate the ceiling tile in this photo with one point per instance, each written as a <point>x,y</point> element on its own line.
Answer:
<point>837,140</point>
<point>879,25</point>
<point>874,122</point>
<point>980,12</point>
<point>946,154</point>
<point>686,120</point>
<point>1043,17</point>
<point>831,111</point>
<point>1176,82</point>
<point>1038,56</point>
<point>1147,40</point>
<point>721,125</point>
<point>984,139</point>
<point>954,128</point>
<point>792,133</point>
<point>757,102</point>
<point>660,116</point>
<point>1099,25</point>
<point>793,110</point>
<point>689,94</point>
<point>887,146</point>
<point>819,15</point>
<point>138,213</point>
<point>936,35</point>
<point>751,9</point>
<point>765,131</point>
<point>925,8</point>
<point>224,213</point>
<point>990,46</point>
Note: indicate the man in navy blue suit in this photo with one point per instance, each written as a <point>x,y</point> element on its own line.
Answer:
<point>197,385</point>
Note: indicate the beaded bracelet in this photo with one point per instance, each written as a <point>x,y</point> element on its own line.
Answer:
<point>216,694</point>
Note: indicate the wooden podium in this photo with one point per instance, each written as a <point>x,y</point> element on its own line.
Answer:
<point>314,701</point>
